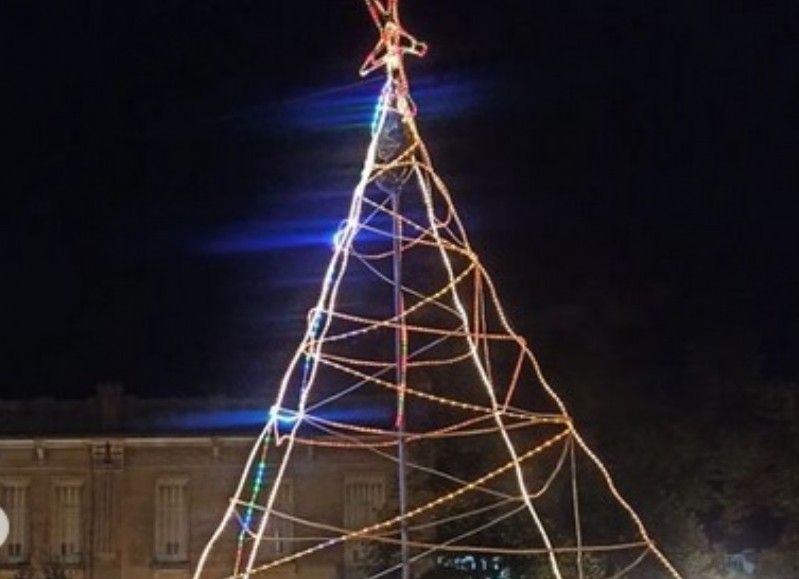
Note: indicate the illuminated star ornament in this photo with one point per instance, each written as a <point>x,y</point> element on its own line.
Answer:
<point>394,43</point>
<point>413,432</point>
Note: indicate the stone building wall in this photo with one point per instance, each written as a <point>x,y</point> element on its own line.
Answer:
<point>118,478</point>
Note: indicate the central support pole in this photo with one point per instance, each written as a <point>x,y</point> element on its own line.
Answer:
<point>388,53</point>
<point>401,353</point>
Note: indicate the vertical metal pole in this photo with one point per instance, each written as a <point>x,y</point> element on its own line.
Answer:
<point>400,345</point>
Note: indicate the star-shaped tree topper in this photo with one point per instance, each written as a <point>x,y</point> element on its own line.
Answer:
<point>394,43</point>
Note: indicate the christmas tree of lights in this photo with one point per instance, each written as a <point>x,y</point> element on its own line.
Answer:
<point>409,365</point>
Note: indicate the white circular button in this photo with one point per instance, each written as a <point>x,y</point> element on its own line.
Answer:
<point>3,527</point>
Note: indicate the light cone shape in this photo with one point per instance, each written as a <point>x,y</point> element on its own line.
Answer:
<point>461,458</point>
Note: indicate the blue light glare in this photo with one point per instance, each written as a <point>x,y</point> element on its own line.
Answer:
<point>221,420</point>
<point>338,236</point>
<point>282,416</point>
<point>379,108</point>
<point>260,235</point>
<point>437,97</point>
<point>337,108</point>
<point>256,235</point>
<point>353,106</point>
<point>218,420</point>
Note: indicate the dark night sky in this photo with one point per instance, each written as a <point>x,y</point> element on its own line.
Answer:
<point>176,169</point>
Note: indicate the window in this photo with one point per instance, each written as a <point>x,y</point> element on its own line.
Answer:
<point>104,511</point>
<point>279,532</point>
<point>364,498</point>
<point>66,521</point>
<point>171,520</point>
<point>14,500</point>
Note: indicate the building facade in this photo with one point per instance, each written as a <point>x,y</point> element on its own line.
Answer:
<point>114,504</point>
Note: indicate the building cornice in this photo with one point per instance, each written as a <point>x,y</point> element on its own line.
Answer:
<point>127,441</point>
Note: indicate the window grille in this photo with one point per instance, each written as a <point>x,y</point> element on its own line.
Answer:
<point>364,498</point>
<point>66,543</point>
<point>14,501</point>
<point>171,520</point>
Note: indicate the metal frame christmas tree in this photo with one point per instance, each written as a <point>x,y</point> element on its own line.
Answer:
<point>492,477</point>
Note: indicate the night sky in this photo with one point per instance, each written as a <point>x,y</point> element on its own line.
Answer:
<point>176,170</point>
